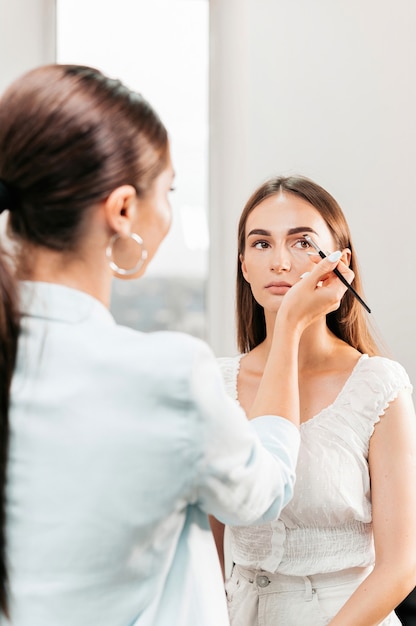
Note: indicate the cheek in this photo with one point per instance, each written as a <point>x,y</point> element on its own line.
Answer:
<point>255,264</point>
<point>161,220</point>
<point>168,218</point>
<point>254,276</point>
<point>165,216</point>
<point>301,258</point>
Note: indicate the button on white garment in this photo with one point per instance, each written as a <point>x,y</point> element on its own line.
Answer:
<point>262,581</point>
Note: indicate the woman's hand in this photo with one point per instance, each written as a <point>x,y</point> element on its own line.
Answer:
<point>318,293</point>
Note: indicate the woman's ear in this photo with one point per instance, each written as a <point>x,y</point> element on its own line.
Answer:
<point>346,256</point>
<point>120,209</point>
<point>244,268</point>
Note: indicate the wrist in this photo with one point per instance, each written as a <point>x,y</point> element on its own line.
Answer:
<point>287,326</point>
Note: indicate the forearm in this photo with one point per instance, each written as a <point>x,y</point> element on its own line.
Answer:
<point>245,471</point>
<point>376,597</point>
<point>278,392</point>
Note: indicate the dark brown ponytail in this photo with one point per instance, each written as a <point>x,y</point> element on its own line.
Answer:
<point>9,332</point>
<point>69,136</point>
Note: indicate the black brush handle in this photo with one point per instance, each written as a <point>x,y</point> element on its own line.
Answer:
<point>346,283</point>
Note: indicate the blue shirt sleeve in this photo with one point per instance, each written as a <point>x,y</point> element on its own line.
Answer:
<point>246,470</point>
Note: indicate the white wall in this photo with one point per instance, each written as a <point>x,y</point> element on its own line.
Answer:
<point>27,36</point>
<point>27,39</point>
<point>323,88</point>
<point>326,89</point>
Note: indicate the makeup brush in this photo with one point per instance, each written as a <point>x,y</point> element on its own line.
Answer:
<point>337,273</point>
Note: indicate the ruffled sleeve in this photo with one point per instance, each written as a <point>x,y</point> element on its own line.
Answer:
<point>370,390</point>
<point>230,366</point>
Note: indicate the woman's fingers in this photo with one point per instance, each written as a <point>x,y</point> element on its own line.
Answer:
<point>319,292</point>
<point>324,267</point>
<point>327,286</point>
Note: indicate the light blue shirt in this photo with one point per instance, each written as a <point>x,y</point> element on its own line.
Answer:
<point>121,443</point>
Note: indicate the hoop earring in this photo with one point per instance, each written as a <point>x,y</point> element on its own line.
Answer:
<point>120,270</point>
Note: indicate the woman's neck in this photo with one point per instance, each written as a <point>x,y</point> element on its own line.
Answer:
<point>70,270</point>
<point>317,345</point>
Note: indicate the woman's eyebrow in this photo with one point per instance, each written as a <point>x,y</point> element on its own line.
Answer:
<point>291,231</point>
<point>301,229</point>
<point>259,231</point>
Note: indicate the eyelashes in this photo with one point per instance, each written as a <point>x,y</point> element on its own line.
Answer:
<point>300,243</point>
<point>260,244</point>
<point>301,240</point>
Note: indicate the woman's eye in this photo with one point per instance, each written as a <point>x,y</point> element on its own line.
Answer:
<point>261,245</point>
<point>302,243</point>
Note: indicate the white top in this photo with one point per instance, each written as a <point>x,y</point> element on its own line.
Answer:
<point>327,525</point>
<point>121,443</point>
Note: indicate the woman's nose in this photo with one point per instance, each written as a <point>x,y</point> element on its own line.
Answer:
<point>281,261</point>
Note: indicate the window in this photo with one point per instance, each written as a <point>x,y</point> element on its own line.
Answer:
<point>160,48</point>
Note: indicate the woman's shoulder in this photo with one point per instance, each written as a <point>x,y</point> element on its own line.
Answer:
<point>387,372</point>
<point>164,346</point>
<point>165,364</point>
<point>375,382</point>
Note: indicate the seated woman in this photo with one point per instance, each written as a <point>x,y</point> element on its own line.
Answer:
<point>343,551</point>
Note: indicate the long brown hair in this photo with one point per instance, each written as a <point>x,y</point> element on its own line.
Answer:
<point>69,136</point>
<point>349,322</point>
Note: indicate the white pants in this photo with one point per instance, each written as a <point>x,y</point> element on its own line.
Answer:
<point>257,598</point>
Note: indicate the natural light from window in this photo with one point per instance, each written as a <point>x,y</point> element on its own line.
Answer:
<point>160,48</point>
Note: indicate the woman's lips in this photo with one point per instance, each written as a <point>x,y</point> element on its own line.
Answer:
<point>278,288</point>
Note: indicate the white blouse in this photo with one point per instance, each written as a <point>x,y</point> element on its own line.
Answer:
<point>327,525</point>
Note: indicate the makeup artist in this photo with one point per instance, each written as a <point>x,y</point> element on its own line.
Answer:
<point>116,444</point>
<point>343,552</point>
